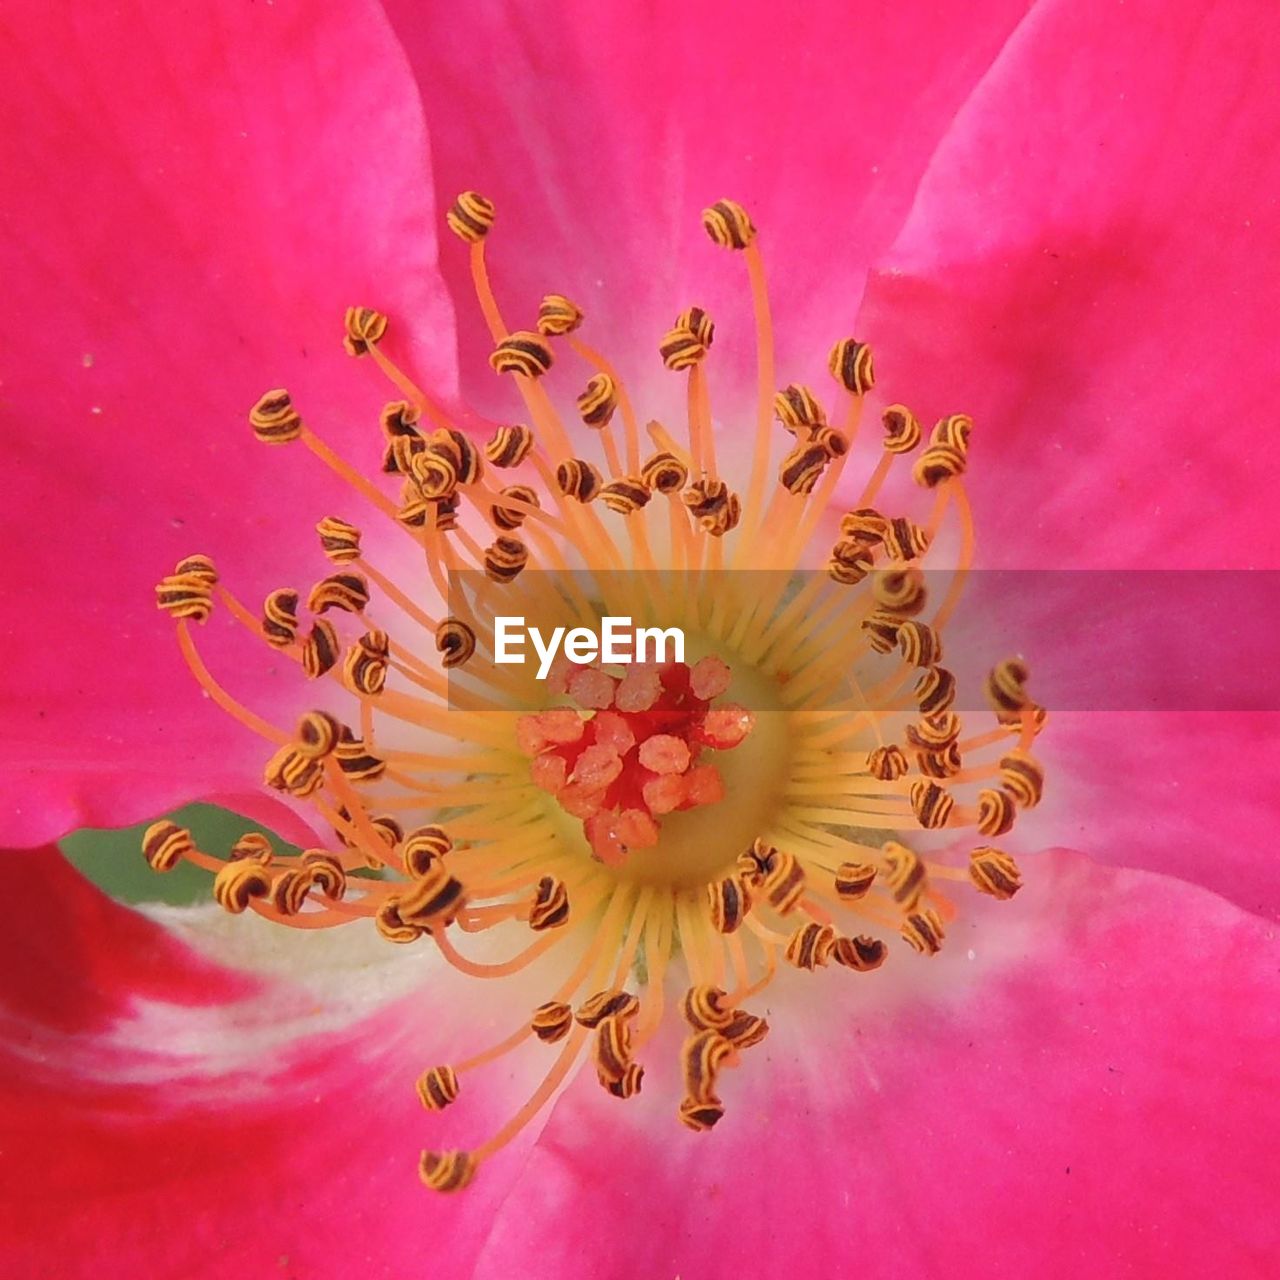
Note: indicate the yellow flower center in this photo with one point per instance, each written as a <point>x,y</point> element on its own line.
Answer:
<point>694,822</point>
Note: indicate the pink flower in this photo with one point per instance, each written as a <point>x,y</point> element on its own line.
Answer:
<point>1069,218</point>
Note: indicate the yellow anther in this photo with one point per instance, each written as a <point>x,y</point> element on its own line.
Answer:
<point>523,352</point>
<point>512,517</point>
<point>274,419</point>
<point>318,734</point>
<point>797,408</point>
<point>339,540</point>
<point>937,463</point>
<point>577,478</point>
<point>509,446</point>
<point>810,946</point>
<point>455,641</point>
<point>433,899</point>
<point>437,1088</point>
<point>610,1003</point>
<point>664,473</point>
<point>293,771</point>
<point>919,643</point>
<point>356,761</point>
<point>280,618</point>
<point>996,812</point>
<point>424,848</point>
<point>446,1170</point>
<point>888,763</point>
<point>953,432</point>
<point>851,365</point>
<point>729,901</point>
<point>802,467</point>
<point>935,691</point>
<point>901,429</point>
<point>551,1021</point>
<point>187,593</point>
<point>558,316</point>
<point>364,669</point>
<point>471,216</point>
<point>165,844</point>
<point>625,495</point>
<point>854,879</point>
<point>714,505</point>
<point>347,592</point>
<point>550,909</point>
<point>238,883</point>
<point>1023,778</point>
<point>255,846</point>
<point>931,804</point>
<point>850,562</point>
<point>904,539</point>
<point>598,403</point>
<point>924,931</point>
<point>728,225</point>
<point>320,649</point>
<point>861,954</point>
<point>365,328</point>
<point>504,558</point>
<point>993,871</point>
<point>904,874</point>
<point>899,591</point>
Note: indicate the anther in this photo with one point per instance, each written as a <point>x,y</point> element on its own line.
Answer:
<point>524,353</point>
<point>558,316</point>
<point>1023,778</point>
<point>389,924</point>
<point>627,1085</point>
<point>862,954</point>
<point>356,761</point>
<point>996,812</point>
<point>937,463</point>
<point>728,225</point>
<point>253,845</point>
<point>628,494</point>
<point>455,641</point>
<point>598,403</point>
<point>504,558</point>
<point>664,473</point>
<point>797,408</point>
<point>904,539</point>
<point>509,446</point>
<point>944,762</point>
<point>438,1087</point>
<point>681,348</point>
<point>197,567</point>
<point>716,508</point>
<point>401,450</point>
<point>704,1008</point>
<point>904,875</point>
<point>274,419</point>
<point>730,902</point>
<point>399,419</point>
<point>783,883</point>
<point>881,630</point>
<point>348,592</point>
<point>325,872</point>
<point>952,432</point>
<point>1007,687</point>
<point>165,844</point>
<point>850,562</point>
<point>320,649</point>
<point>854,879</point>
<point>933,733</point>
<point>551,1021</point>
<point>446,1170</point>
<point>461,452</point>
<point>513,517</point>
<point>611,1049</point>
<point>901,429</point>
<point>610,1003</point>
<point>888,763</point>
<point>470,216</point>
<point>365,329</point>
<point>550,907</point>
<point>432,899</point>
<point>899,591</point>
<point>318,734</point>
<point>339,540</point>
<point>924,931</point>
<point>802,467</point>
<point>993,871</point>
<point>187,595</point>
<point>364,669</point>
<point>294,771</point>
<point>238,883</point>
<point>577,478</point>
<point>919,643</point>
<point>931,804</point>
<point>851,365</point>
<point>434,474</point>
<point>935,691</point>
<point>865,525</point>
<point>835,444</point>
<point>424,848</point>
<point>810,946</point>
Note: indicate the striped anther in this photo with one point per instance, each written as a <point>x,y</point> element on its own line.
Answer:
<point>994,872</point>
<point>455,642</point>
<point>599,401</point>
<point>551,1021</point>
<point>924,931</point>
<point>902,431</point>
<point>339,540</point>
<point>550,909</point>
<point>728,225</point>
<point>437,1088</point>
<point>854,879</point>
<point>446,1171</point>
<point>165,844</point>
<point>347,592</point>
<point>471,216</point>
<point>525,353</point>
<point>851,365</point>
<point>557,316</point>
<point>274,419</point>
<point>365,328</point>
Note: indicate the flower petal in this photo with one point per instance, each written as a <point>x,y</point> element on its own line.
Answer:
<point>1044,1097</point>
<point>1092,272</point>
<point>203,196</point>
<point>164,1114</point>
<point>601,134</point>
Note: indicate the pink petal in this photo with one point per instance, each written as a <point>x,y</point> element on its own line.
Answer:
<point>203,195</point>
<point>1093,273</point>
<point>602,133</point>
<point>1050,1096</point>
<point>161,1115</point>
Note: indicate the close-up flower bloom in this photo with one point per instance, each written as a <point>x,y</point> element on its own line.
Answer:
<point>915,365</point>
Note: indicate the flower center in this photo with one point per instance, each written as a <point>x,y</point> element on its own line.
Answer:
<point>694,821</point>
